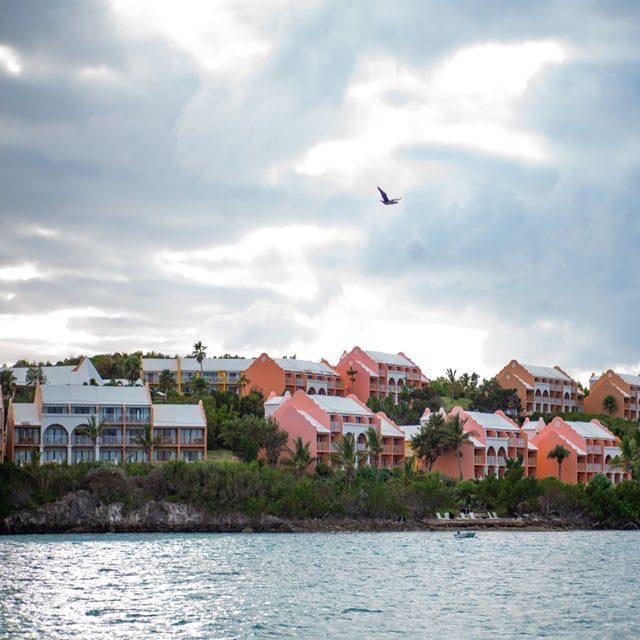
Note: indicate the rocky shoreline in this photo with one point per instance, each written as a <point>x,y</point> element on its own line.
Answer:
<point>80,512</point>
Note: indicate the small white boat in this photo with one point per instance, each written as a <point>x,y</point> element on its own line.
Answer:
<point>464,534</point>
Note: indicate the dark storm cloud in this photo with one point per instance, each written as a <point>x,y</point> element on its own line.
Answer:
<point>116,150</point>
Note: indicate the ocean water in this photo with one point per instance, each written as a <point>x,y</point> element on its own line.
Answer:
<point>342,585</point>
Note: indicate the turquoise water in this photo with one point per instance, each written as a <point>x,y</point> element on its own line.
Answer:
<point>343,585</point>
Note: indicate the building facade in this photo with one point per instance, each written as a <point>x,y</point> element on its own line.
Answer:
<point>82,373</point>
<point>323,420</point>
<point>279,375</point>
<point>376,374</point>
<point>51,428</point>
<point>221,374</point>
<point>592,449</point>
<point>542,389</point>
<point>623,387</point>
<point>494,438</point>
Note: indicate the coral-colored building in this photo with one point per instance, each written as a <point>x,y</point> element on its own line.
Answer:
<point>592,449</point>
<point>323,420</point>
<point>221,374</point>
<point>494,439</point>
<point>51,426</point>
<point>278,375</point>
<point>542,389</point>
<point>624,387</point>
<point>377,374</point>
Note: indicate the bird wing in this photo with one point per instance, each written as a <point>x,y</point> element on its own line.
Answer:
<point>383,194</point>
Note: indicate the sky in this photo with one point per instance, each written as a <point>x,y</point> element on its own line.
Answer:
<point>181,171</point>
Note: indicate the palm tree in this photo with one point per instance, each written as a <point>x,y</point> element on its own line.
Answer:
<point>198,386</point>
<point>299,457</point>
<point>455,437</point>
<point>346,456</point>
<point>132,368</point>
<point>148,441</point>
<point>374,447</point>
<point>7,382</point>
<point>629,457</point>
<point>560,454</point>
<point>451,377</point>
<point>165,381</point>
<point>243,381</point>
<point>199,353</point>
<point>610,404</point>
<point>92,430</point>
<point>352,373</point>
<point>409,469</point>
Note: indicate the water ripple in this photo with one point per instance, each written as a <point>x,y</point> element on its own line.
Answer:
<point>373,585</point>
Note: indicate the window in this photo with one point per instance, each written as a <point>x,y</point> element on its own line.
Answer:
<point>192,455</point>
<point>110,455</point>
<point>80,410</point>
<point>192,436</point>
<point>82,455</point>
<point>54,455</point>
<point>54,409</point>
<point>27,436</point>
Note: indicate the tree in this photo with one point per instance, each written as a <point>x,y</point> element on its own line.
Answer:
<point>610,405</point>
<point>346,456</point>
<point>198,386</point>
<point>490,397</point>
<point>165,381</point>
<point>455,437</point>
<point>92,430</point>
<point>559,453</point>
<point>132,368</point>
<point>273,441</point>
<point>352,373</point>
<point>243,381</point>
<point>35,376</point>
<point>243,436</point>
<point>451,377</point>
<point>148,441</point>
<point>7,382</point>
<point>299,457</point>
<point>429,443</point>
<point>374,448</point>
<point>199,353</point>
<point>629,457</point>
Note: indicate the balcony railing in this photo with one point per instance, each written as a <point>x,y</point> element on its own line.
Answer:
<point>323,447</point>
<point>111,439</point>
<point>478,460</point>
<point>495,460</point>
<point>85,440</point>
<point>192,441</point>
<point>582,466</point>
<point>360,446</point>
<point>27,440</point>
<point>56,440</point>
<point>591,448</point>
<point>335,426</point>
<point>521,442</point>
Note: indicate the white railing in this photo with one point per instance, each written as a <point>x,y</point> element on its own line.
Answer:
<point>335,426</point>
<point>495,460</point>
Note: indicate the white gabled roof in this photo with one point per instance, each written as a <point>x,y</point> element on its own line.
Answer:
<point>216,364</point>
<point>345,406</point>
<point>410,430</point>
<point>390,358</point>
<point>546,372</point>
<point>492,421</point>
<point>159,364</point>
<point>62,374</point>
<point>371,372</point>
<point>319,427</point>
<point>87,394</point>
<point>531,446</point>
<point>178,415</point>
<point>629,378</point>
<point>25,413</point>
<point>389,429</point>
<point>305,366</point>
<point>591,430</point>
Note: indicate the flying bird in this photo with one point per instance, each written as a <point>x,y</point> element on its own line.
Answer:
<point>386,199</point>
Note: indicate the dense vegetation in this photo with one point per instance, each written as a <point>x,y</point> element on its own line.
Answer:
<point>257,488</point>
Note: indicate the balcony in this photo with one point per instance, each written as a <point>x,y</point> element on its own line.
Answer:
<point>192,441</point>
<point>478,460</point>
<point>495,460</point>
<point>55,440</point>
<point>27,439</point>
<point>323,447</point>
<point>591,448</point>
<point>361,446</point>
<point>111,439</point>
<point>81,440</point>
<point>582,466</point>
<point>521,442</point>
<point>336,426</point>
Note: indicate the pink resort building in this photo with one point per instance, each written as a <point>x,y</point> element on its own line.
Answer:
<point>279,375</point>
<point>322,420</point>
<point>592,449</point>
<point>494,439</point>
<point>221,374</point>
<point>51,426</point>
<point>625,389</point>
<point>542,389</point>
<point>376,374</point>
